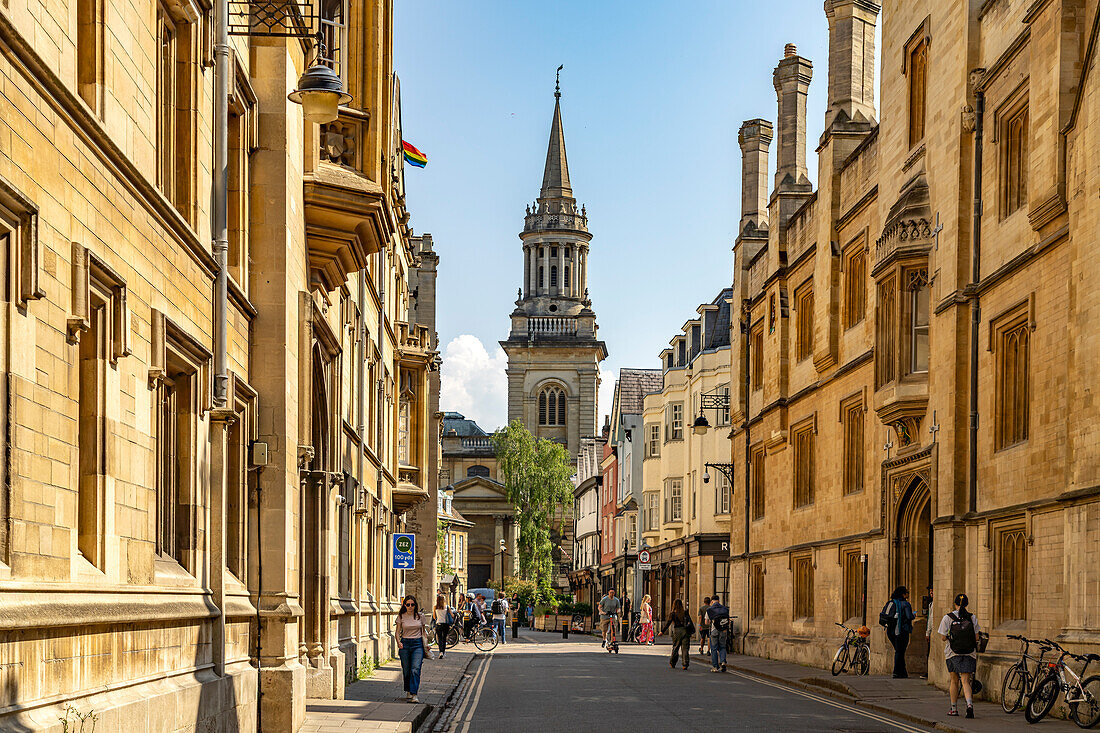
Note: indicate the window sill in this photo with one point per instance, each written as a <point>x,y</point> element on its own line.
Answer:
<point>1009,447</point>
<point>803,507</point>
<point>850,326</point>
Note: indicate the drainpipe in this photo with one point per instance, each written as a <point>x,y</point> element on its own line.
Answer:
<point>359,523</point>
<point>745,329</point>
<point>975,305</point>
<point>220,214</point>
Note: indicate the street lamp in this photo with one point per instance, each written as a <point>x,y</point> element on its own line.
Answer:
<point>320,91</point>
<point>503,549</point>
<point>701,424</point>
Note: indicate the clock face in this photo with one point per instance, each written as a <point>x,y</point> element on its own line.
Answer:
<point>404,544</point>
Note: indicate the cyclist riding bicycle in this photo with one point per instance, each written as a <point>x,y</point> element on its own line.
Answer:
<point>610,606</point>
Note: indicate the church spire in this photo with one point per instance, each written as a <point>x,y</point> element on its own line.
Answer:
<point>555,177</point>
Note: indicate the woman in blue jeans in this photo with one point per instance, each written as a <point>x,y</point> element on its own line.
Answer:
<point>412,635</point>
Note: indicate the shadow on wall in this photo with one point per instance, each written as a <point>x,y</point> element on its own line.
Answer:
<point>12,722</point>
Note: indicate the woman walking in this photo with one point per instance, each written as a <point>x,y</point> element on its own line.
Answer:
<point>900,628</point>
<point>960,631</point>
<point>444,619</point>
<point>646,616</point>
<point>411,633</point>
<point>682,629</point>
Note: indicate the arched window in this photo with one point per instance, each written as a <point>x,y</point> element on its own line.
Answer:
<point>477,471</point>
<point>553,276</point>
<point>552,406</point>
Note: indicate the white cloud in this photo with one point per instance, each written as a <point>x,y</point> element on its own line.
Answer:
<point>474,383</point>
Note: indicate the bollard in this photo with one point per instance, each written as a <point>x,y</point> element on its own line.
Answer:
<point>515,628</point>
<point>565,630</point>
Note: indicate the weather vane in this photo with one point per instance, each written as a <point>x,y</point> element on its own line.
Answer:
<point>557,82</point>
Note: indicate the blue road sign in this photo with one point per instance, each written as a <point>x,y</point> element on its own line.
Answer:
<point>404,550</point>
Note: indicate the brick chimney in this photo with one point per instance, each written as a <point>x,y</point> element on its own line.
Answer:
<point>755,137</point>
<point>792,82</point>
<point>851,60</point>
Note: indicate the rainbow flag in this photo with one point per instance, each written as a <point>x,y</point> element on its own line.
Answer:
<point>414,156</point>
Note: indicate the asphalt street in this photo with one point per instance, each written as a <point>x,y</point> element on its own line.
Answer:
<point>547,684</point>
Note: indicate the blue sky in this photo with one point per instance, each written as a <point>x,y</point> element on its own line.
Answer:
<point>653,94</point>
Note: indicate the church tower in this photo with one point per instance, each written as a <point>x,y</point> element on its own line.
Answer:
<point>553,350</point>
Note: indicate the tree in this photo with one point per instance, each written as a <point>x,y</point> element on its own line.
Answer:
<point>537,478</point>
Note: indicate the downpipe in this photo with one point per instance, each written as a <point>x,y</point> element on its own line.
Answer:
<point>975,301</point>
<point>220,218</point>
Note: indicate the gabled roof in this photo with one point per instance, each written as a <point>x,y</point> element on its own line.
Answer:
<point>632,387</point>
<point>720,335</point>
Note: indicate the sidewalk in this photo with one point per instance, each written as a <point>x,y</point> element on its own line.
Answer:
<point>912,699</point>
<point>378,704</point>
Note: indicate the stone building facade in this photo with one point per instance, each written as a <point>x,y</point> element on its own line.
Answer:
<point>914,357</point>
<point>165,557</point>
<point>685,507</point>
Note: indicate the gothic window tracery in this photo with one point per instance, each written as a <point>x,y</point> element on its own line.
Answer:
<point>552,406</point>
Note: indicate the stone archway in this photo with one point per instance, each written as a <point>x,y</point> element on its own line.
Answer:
<point>912,562</point>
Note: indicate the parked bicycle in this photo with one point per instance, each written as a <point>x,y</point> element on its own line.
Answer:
<point>1082,696</point>
<point>854,652</point>
<point>1019,681</point>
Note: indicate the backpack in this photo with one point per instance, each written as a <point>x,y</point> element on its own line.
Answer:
<point>450,617</point>
<point>960,635</point>
<point>887,619</point>
<point>721,618</point>
<point>497,606</point>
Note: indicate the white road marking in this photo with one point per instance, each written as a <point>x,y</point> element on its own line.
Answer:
<point>470,708</point>
<point>908,728</point>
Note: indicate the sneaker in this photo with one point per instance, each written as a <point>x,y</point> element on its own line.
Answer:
<point>715,669</point>
<point>414,700</point>
<point>953,713</point>
<point>723,666</point>
<point>672,664</point>
<point>408,696</point>
<point>685,666</point>
<point>970,711</point>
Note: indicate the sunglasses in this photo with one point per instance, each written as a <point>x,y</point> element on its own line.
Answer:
<point>410,604</point>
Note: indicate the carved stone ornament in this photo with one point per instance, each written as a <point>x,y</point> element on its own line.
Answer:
<point>338,143</point>
<point>305,455</point>
<point>906,430</point>
<point>969,118</point>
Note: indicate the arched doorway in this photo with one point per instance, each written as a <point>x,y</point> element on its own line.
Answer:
<point>913,563</point>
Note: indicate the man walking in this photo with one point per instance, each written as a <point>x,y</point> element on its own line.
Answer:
<point>704,625</point>
<point>609,613</point>
<point>719,617</point>
<point>499,609</point>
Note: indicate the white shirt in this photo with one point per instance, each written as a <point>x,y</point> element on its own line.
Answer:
<point>504,608</point>
<point>945,627</point>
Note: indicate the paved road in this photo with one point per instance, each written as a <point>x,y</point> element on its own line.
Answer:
<point>547,684</point>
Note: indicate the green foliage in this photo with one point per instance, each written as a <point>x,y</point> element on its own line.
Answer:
<point>78,722</point>
<point>444,555</point>
<point>584,609</point>
<point>366,667</point>
<point>536,475</point>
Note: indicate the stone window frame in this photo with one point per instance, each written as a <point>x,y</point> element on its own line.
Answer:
<point>804,468</point>
<point>852,590</point>
<point>653,510</point>
<point>674,500</point>
<point>915,57</point>
<point>1009,539</point>
<point>19,226</point>
<point>1010,342</point>
<point>804,310</point>
<point>853,420</point>
<point>100,329</point>
<point>674,423</point>
<point>89,44</point>
<point>174,350</point>
<point>240,511</point>
<point>916,281</point>
<point>723,494</point>
<point>855,273</point>
<point>243,142</point>
<point>757,575</point>
<point>552,406</point>
<point>176,119</point>
<point>756,341</point>
<point>886,358</point>
<point>653,440</point>
<point>1012,155</point>
<point>802,568</point>
<point>758,471</point>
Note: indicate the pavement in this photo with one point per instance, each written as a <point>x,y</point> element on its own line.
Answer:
<point>377,704</point>
<point>541,682</point>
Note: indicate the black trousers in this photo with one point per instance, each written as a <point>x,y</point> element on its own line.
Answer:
<point>900,642</point>
<point>441,631</point>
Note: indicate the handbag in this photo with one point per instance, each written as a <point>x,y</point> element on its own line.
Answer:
<point>450,617</point>
<point>690,626</point>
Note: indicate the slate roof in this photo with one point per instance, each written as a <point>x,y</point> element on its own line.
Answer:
<point>634,385</point>
<point>461,425</point>
<point>721,333</point>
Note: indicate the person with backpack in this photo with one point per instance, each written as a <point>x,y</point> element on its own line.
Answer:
<point>719,617</point>
<point>499,609</point>
<point>444,618</point>
<point>682,630</point>
<point>960,629</point>
<point>704,625</point>
<point>897,618</point>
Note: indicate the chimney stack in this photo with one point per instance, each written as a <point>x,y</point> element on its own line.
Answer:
<point>792,82</point>
<point>755,137</point>
<point>851,60</point>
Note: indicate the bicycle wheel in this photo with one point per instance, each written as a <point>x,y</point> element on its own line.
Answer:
<point>1013,688</point>
<point>1042,699</point>
<point>485,640</point>
<point>840,659</point>
<point>452,637</point>
<point>1086,712</point>
<point>861,661</point>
